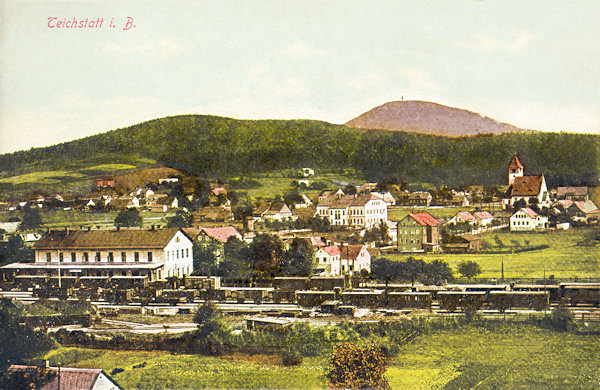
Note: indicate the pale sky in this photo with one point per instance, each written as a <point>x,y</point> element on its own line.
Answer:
<point>534,64</point>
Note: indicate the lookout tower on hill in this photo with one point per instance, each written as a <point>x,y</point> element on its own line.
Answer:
<point>515,169</point>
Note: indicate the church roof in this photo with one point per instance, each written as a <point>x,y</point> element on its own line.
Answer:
<point>515,163</point>
<point>527,185</point>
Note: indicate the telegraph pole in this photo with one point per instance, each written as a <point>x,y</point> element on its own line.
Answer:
<point>59,283</point>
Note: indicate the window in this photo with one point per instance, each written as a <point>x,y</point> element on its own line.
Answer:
<point>136,256</point>
<point>86,257</point>
<point>187,252</point>
<point>149,256</point>
<point>48,257</point>
<point>110,257</point>
<point>61,257</point>
<point>177,253</point>
<point>98,256</point>
<point>123,257</point>
<point>73,259</point>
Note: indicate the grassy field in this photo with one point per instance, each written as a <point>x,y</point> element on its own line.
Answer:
<point>163,370</point>
<point>564,258</point>
<point>497,355</point>
<point>507,357</point>
<point>280,182</point>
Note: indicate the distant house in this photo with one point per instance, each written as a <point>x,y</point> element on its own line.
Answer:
<point>327,261</point>
<point>572,193</point>
<point>462,217</point>
<point>213,214</point>
<point>278,211</point>
<point>387,197</point>
<point>363,210</point>
<point>154,253</point>
<point>525,187</point>
<point>459,199</point>
<point>484,218</point>
<point>465,243</point>
<point>526,219</point>
<point>420,199</point>
<point>306,172</point>
<point>419,232</point>
<point>354,258</point>
<point>105,182</point>
<point>218,234</point>
<point>65,378</point>
<point>582,211</point>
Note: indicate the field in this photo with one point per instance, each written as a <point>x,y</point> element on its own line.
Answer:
<point>564,258</point>
<point>280,182</point>
<point>491,356</point>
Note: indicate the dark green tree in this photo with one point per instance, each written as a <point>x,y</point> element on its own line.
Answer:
<point>298,259</point>
<point>128,218</point>
<point>242,211</point>
<point>266,256</point>
<point>31,219</point>
<point>235,263</point>
<point>384,269</point>
<point>182,218</point>
<point>206,256</point>
<point>14,250</point>
<point>469,269</point>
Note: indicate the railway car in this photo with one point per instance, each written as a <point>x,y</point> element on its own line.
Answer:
<point>371,298</point>
<point>278,296</point>
<point>576,293</point>
<point>291,283</point>
<point>503,300</point>
<point>181,295</point>
<point>324,283</point>
<point>313,298</point>
<point>408,300</point>
<point>125,282</point>
<point>451,300</point>
<point>553,289</point>
<point>65,281</point>
<point>202,282</point>
<point>94,282</point>
<point>25,282</point>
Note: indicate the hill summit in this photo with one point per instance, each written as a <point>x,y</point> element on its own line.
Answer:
<point>429,118</point>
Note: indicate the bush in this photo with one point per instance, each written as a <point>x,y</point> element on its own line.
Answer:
<point>291,359</point>
<point>116,371</point>
<point>562,319</point>
<point>354,367</point>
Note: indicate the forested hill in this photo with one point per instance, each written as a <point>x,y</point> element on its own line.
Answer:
<point>219,147</point>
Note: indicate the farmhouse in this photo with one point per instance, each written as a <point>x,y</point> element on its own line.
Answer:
<point>484,218</point>
<point>419,232</point>
<point>462,217</point>
<point>526,219</point>
<point>154,253</point>
<point>420,199</point>
<point>572,193</point>
<point>327,261</point>
<point>463,244</point>
<point>525,187</point>
<point>582,211</point>
<point>363,210</point>
<point>345,259</point>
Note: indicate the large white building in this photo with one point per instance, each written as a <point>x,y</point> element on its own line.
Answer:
<point>155,253</point>
<point>342,260</point>
<point>526,219</point>
<point>365,210</point>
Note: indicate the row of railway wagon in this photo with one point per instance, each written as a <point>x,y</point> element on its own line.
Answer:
<point>310,292</point>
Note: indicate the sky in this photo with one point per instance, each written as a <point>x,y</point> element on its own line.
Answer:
<point>533,64</point>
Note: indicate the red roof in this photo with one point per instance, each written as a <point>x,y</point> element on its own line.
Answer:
<point>332,250</point>
<point>467,216</point>
<point>529,212</point>
<point>483,215</point>
<point>515,163</point>
<point>527,185</point>
<point>425,219</point>
<point>350,252</point>
<point>222,234</point>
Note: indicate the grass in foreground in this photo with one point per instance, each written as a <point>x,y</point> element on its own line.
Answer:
<point>492,355</point>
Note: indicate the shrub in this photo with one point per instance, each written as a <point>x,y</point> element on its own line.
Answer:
<point>116,371</point>
<point>562,319</point>
<point>291,359</point>
<point>354,367</point>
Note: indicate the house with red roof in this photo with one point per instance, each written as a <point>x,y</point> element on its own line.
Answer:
<point>419,232</point>
<point>525,187</point>
<point>355,258</point>
<point>64,378</point>
<point>327,261</point>
<point>526,220</point>
<point>484,218</point>
<point>462,217</point>
<point>582,211</point>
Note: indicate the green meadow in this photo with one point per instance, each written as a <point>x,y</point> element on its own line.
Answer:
<point>480,355</point>
<point>569,255</point>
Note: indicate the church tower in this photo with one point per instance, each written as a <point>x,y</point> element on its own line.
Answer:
<point>515,169</point>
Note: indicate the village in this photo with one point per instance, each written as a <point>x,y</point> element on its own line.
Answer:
<point>179,245</point>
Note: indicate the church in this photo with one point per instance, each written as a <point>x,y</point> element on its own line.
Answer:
<point>525,187</point>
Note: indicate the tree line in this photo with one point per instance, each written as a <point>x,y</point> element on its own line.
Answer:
<point>218,147</point>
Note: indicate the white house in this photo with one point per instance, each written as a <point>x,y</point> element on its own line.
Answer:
<point>327,261</point>
<point>484,218</point>
<point>154,253</point>
<point>526,219</point>
<point>363,210</point>
<point>355,258</point>
<point>462,217</point>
